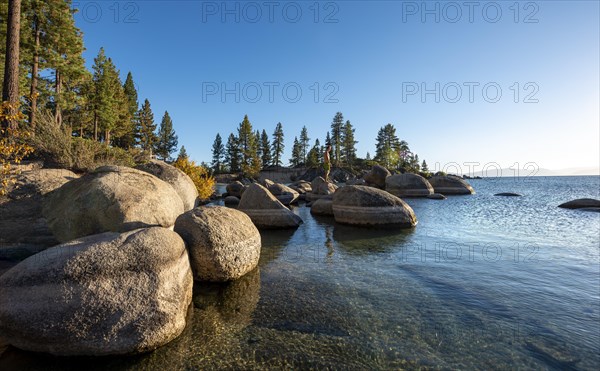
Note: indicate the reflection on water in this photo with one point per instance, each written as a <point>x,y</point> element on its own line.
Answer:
<point>335,296</point>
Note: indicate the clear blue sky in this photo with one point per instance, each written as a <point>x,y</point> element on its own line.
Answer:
<point>375,54</point>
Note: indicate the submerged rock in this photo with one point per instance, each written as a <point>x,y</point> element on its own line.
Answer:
<point>581,203</point>
<point>265,210</point>
<point>180,181</point>
<point>100,295</point>
<point>110,198</point>
<point>508,194</point>
<point>450,185</point>
<point>223,243</point>
<point>436,196</point>
<point>377,176</point>
<point>368,206</point>
<point>408,185</point>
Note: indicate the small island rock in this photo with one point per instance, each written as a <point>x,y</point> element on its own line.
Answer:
<point>450,185</point>
<point>408,185</point>
<point>368,206</point>
<point>581,203</point>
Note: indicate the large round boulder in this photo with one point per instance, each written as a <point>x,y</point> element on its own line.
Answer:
<point>322,207</point>
<point>283,193</point>
<point>222,242</point>
<point>408,185</point>
<point>582,203</point>
<point>320,189</point>
<point>301,186</point>
<point>368,206</point>
<point>235,189</point>
<point>111,198</point>
<point>23,229</point>
<point>180,181</point>
<point>231,201</point>
<point>100,295</point>
<point>265,210</point>
<point>377,176</point>
<point>450,185</point>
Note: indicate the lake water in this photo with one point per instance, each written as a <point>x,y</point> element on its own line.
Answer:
<point>482,282</point>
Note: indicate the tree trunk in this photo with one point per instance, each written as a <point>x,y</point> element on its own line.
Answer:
<point>58,89</point>
<point>107,137</point>
<point>95,126</point>
<point>34,74</point>
<point>10,90</point>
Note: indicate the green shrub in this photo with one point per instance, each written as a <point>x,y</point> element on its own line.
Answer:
<point>55,144</point>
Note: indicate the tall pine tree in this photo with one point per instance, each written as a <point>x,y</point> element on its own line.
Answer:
<point>348,144</point>
<point>296,153</point>
<point>218,154</point>
<point>304,143</point>
<point>336,137</point>
<point>232,154</point>
<point>248,145</point>
<point>278,145</point>
<point>166,138</point>
<point>147,127</point>
<point>265,145</point>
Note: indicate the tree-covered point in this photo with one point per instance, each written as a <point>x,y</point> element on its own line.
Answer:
<point>250,150</point>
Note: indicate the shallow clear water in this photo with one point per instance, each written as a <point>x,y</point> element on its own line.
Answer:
<point>482,282</point>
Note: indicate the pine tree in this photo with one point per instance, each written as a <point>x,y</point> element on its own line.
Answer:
<point>296,153</point>
<point>424,167</point>
<point>278,145</point>
<point>348,144</point>
<point>232,154</point>
<point>304,143</point>
<point>218,154</point>
<point>109,100</point>
<point>130,135</point>
<point>327,140</point>
<point>182,154</point>
<point>166,138</point>
<point>10,88</point>
<point>336,137</point>
<point>248,145</point>
<point>147,127</point>
<point>313,157</point>
<point>258,146</point>
<point>388,147</point>
<point>265,145</point>
<point>368,157</point>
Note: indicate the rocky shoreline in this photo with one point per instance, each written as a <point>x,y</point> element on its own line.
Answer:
<point>105,263</point>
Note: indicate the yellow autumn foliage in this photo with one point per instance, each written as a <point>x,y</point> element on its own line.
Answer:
<point>13,148</point>
<point>205,183</point>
